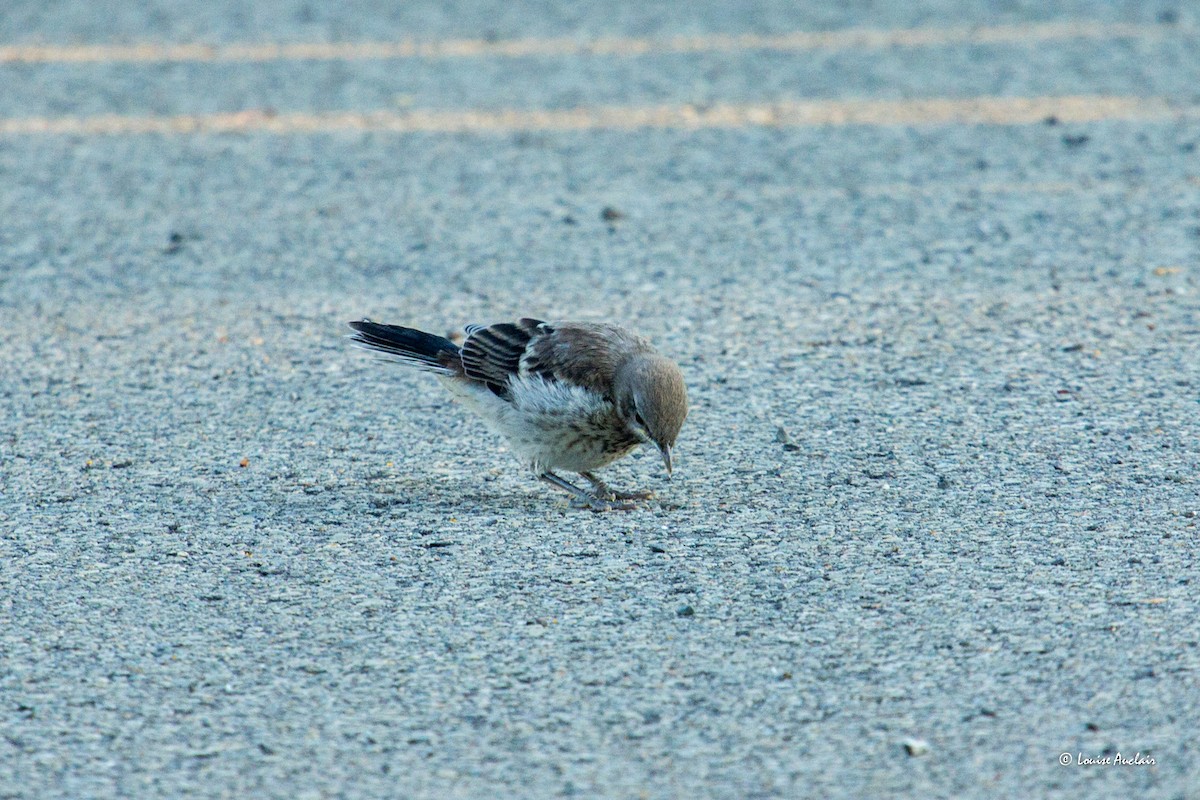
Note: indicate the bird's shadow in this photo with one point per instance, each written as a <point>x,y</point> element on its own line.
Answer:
<point>395,495</point>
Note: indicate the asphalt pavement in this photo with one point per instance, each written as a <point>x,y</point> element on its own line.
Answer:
<point>932,529</point>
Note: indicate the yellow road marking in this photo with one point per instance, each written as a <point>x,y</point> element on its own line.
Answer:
<point>798,41</point>
<point>786,114</point>
<point>1083,184</point>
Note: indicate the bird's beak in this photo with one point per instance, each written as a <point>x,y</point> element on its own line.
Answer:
<point>666,454</point>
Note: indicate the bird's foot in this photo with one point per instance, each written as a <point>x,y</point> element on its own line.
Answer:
<point>602,489</point>
<point>601,504</point>
<point>601,498</point>
<point>640,495</point>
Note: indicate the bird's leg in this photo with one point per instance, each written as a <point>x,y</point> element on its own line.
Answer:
<point>604,490</point>
<point>585,499</point>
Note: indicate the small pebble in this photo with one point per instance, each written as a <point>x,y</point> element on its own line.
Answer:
<point>781,436</point>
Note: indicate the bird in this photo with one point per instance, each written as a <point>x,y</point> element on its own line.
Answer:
<point>567,396</point>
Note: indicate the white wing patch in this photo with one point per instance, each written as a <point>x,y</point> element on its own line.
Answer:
<point>534,394</point>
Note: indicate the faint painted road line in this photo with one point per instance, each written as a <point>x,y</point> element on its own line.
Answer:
<point>941,111</point>
<point>799,41</point>
<point>930,189</point>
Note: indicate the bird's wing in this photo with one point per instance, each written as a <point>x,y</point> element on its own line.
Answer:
<point>493,354</point>
<point>585,354</point>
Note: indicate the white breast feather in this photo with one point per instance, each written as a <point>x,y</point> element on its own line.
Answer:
<point>544,421</point>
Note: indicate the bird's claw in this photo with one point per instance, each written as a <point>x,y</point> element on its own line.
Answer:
<point>601,497</point>
<point>641,494</point>
<point>601,504</point>
<point>603,490</point>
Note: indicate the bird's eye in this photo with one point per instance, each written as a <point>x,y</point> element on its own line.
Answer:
<point>637,417</point>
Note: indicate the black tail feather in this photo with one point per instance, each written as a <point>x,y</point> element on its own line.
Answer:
<point>408,345</point>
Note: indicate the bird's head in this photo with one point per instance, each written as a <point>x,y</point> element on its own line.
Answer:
<point>653,400</point>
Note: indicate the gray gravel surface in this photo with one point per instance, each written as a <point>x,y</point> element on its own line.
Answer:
<point>935,513</point>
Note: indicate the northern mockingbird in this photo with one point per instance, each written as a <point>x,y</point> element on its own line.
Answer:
<point>569,396</point>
